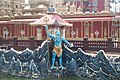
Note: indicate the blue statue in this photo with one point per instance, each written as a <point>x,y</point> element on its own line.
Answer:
<point>57,50</point>
<point>51,8</point>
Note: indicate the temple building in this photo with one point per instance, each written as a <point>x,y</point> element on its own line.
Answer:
<point>36,7</point>
<point>67,6</point>
<point>82,5</point>
<point>18,7</point>
<point>93,23</point>
<point>10,8</point>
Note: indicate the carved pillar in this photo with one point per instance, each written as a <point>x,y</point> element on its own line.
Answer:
<point>22,25</point>
<point>10,30</point>
<point>72,32</point>
<point>20,30</point>
<point>112,28</point>
<point>15,29</point>
<point>119,30</point>
<point>76,32</point>
<point>108,29</point>
<point>31,31</point>
<point>24,30</point>
<point>68,32</point>
<point>81,29</point>
<point>27,32</point>
<point>92,30</point>
<point>102,29</point>
<point>19,26</point>
<point>105,32</point>
<point>119,34</point>
<point>86,29</point>
<point>0,31</point>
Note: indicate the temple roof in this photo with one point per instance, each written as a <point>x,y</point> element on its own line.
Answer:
<point>51,19</point>
<point>90,19</point>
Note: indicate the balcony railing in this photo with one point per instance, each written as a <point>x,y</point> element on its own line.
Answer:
<point>109,45</point>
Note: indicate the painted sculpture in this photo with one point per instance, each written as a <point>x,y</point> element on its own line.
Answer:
<point>57,50</point>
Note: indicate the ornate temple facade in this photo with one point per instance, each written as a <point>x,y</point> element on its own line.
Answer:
<point>94,25</point>
<point>98,25</point>
<point>10,8</point>
<point>81,5</point>
<point>67,6</point>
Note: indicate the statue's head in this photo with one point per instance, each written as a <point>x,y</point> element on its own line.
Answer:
<point>57,33</point>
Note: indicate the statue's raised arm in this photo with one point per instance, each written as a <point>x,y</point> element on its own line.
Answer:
<point>66,42</point>
<point>47,32</point>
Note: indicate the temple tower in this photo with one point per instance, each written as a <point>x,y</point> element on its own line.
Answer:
<point>9,8</point>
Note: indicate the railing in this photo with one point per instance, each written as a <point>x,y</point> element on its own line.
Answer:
<point>109,46</point>
<point>20,44</point>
